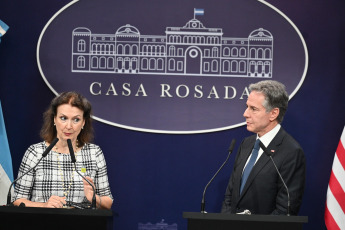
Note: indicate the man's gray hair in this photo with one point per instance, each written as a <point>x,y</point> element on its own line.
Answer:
<point>275,96</point>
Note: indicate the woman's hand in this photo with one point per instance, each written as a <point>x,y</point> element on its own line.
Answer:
<point>55,202</point>
<point>103,202</point>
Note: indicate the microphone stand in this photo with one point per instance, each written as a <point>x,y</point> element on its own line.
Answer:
<point>281,178</point>
<point>227,158</point>
<point>71,151</point>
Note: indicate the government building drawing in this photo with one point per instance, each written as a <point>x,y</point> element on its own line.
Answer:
<point>158,226</point>
<point>189,50</point>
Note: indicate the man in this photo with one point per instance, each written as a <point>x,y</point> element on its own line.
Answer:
<point>260,189</point>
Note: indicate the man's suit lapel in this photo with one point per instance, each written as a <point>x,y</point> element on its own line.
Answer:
<point>264,159</point>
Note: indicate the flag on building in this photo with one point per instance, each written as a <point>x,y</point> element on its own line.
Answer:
<point>335,203</point>
<point>6,171</point>
<point>198,12</point>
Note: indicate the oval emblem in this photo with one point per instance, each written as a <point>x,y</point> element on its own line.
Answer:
<point>167,70</point>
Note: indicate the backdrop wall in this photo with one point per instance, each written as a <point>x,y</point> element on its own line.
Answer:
<point>158,176</point>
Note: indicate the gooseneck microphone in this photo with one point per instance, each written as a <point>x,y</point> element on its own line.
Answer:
<point>232,145</point>
<point>71,151</point>
<point>281,178</point>
<point>44,154</point>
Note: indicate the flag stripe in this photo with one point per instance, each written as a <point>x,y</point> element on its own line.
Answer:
<point>341,154</point>
<point>5,183</point>
<point>335,210</point>
<point>2,31</point>
<point>3,28</point>
<point>337,191</point>
<point>5,155</point>
<point>338,172</point>
<point>330,222</point>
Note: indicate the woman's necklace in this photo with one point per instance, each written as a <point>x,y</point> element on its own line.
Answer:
<point>67,189</point>
<point>74,148</point>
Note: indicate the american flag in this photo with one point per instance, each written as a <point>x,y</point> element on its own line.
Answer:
<point>335,203</point>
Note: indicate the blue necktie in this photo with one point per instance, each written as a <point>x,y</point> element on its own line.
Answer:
<point>250,164</point>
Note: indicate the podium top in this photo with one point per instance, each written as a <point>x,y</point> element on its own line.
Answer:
<point>239,217</point>
<point>55,211</point>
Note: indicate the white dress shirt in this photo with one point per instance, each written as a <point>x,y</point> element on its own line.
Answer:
<point>266,140</point>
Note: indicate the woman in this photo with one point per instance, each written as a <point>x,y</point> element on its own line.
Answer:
<point>54,182</point>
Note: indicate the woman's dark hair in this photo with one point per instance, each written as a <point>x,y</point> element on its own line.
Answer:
<point>48,130</point>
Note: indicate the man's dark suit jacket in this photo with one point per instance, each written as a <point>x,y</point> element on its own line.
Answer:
<point>264,193</point>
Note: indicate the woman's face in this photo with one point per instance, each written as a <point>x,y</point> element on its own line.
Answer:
<point>69,121</point>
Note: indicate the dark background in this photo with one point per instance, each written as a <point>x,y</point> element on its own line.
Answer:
<point>158,176</point>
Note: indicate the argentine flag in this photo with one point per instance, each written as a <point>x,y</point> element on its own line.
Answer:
<point>6,171</point>
<point>3,29</point>
<point>198,11</point>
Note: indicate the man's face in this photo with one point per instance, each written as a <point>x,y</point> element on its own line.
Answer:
<point>258,120</point>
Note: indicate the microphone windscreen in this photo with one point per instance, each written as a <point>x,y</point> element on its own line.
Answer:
<point>71,151</point>
<point>45,153</point>
<point>232,145</point>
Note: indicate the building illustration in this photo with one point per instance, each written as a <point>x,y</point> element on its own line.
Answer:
<point>158,226</point>
<point>192,50</point>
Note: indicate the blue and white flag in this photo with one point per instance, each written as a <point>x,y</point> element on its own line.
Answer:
<point>6,171</point>
<point>3,29</point>
<point>198,11</point>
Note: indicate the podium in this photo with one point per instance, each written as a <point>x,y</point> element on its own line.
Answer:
<point>12,217</point>
<point>224,221</point>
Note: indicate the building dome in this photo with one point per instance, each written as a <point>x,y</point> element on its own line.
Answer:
<point>82,30</point>
<point>128,30</point>
<point>194,24</point>
<point>260,34</point>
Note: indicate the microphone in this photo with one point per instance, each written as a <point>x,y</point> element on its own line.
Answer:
<point>262,146</point>
<point>232,145</point>
<point>71,151</point>
<point>44,154</point>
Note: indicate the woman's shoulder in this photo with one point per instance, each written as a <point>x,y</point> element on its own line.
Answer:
<point>91,147</point>
<point>41,144</point>
<point>36,150</point>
